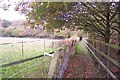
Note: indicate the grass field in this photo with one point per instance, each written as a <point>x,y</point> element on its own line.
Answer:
<point>18,51</point>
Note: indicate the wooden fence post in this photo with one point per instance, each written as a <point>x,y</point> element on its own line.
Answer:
<point>65,62</point>
<point>53,64</point>
<point>59,64</point>
<point>22,48</point>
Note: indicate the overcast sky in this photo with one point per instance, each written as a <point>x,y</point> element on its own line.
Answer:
<point>10,14</point>
<point>14,15</point>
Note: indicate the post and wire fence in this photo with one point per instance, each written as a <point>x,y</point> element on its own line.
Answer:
<point>40,66</point>
<point>24,58</point>
<point>60,60</point>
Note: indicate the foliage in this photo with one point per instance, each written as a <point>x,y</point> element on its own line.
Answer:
<point>80,48</point>
<point>6,23</point>
<point>8,31</point>
<point>17,31</point>
<point>95,17</point>
<point>100,18</point>
<point>47,13</point>
<point>12,31</point>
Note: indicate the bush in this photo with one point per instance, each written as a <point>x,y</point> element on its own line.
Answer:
<point>17,31</point>
<point>8,31</point>
<point>6,23</point>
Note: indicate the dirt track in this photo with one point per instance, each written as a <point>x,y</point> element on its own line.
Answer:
<point>80,66</point>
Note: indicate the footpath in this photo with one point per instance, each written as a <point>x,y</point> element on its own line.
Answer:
<point>81,65</point>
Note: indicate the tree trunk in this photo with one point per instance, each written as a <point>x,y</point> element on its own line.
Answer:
<point>118,43</point>
<point>118,53</point>
<point>106,52</point>
<point>107,32</point>
<point>118,9</point>
<point>107,38</point>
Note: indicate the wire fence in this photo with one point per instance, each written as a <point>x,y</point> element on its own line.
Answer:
<point>33,64</point>
<point>23,58</point>
<point>37,68</point>
<point>23,49</point>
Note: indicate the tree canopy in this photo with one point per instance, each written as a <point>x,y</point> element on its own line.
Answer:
<point>98,18</point>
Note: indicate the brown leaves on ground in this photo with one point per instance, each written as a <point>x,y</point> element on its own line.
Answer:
<point>80,66</point>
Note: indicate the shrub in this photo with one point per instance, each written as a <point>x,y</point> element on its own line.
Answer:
<point>8,31</point>
<point>17,31</point>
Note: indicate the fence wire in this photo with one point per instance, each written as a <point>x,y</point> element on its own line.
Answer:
<point>25,50</point>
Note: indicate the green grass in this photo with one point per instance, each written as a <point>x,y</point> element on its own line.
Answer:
<point>43,64</point>
<point>13,52</point>
<point>80,48</point>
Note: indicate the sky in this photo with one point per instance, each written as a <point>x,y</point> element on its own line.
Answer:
<point>10,14</point>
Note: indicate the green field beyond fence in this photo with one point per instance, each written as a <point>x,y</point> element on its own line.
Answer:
<point>15,49</point>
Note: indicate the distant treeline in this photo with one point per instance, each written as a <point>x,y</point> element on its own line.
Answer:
<point>49,37</point>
